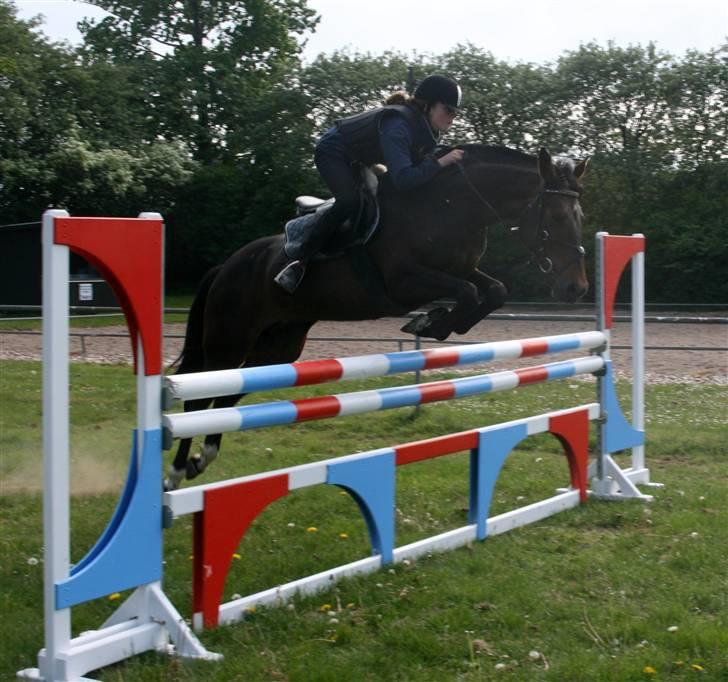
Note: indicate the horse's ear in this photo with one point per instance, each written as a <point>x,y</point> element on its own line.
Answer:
<point>545,165</point>
<point>580,169</point>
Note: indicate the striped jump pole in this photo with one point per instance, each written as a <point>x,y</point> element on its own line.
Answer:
<point>243,418</point>
<point>251,379</point>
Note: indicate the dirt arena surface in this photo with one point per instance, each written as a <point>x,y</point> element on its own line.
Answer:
<point>663,366</point>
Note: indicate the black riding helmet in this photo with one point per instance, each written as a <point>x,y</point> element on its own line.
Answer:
<point>437,88</point>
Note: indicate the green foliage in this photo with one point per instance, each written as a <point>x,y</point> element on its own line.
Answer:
<point>203,63</point>
<point>343,83</point>
<point>203,111</point>
<point>71,137</point>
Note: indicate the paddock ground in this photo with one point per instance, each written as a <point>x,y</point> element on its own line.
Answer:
<point>662,366</point>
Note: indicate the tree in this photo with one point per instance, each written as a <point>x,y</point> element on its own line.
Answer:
<point>345,83</point>
<point>205,64</point>
<point>697,93</point>
<point>70,137</point>
<point>504,104</point>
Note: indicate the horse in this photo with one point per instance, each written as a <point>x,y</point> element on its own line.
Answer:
<point>428,247</point>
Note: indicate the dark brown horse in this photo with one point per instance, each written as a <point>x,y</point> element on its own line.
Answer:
<point>428,247</point>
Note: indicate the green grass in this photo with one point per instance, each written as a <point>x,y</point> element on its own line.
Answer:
<point>594,590</point>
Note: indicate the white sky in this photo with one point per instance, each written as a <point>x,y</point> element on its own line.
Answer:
<point>513,30</point>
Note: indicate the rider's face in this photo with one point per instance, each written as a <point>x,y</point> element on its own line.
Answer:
<point>442,116</point>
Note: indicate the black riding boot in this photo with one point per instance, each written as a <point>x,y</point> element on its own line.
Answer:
<point>290,277</point>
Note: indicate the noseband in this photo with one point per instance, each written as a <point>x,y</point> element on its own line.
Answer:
<point>538,252</point>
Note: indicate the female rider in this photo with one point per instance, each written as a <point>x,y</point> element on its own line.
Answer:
<point>402,135</point>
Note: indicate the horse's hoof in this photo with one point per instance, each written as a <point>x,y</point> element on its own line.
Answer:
<point>174,478</point>
<point>418,325</point>
<point>193,468</point>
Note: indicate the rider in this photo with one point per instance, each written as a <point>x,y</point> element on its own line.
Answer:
<point>402,134</point>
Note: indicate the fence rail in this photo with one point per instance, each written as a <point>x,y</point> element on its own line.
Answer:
<point>400,341</point>
<point>514,317</point>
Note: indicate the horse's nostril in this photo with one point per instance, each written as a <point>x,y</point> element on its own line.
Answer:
<point>577,290</point>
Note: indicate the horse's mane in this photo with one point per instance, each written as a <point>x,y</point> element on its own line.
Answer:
<point>497,154</point>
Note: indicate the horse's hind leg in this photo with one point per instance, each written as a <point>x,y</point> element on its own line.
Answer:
<point>195,465</point>
<point>177,470</point>
<point>283,342</point>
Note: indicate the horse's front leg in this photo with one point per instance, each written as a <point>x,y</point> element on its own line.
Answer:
<point>427,284</point>
<point>492,294</point>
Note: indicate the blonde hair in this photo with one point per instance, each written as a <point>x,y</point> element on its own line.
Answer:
<point>401,97</point>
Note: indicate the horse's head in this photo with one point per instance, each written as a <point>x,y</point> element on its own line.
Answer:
<point>551,226</point>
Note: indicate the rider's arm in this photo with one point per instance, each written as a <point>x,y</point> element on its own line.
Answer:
<point>396,140</point>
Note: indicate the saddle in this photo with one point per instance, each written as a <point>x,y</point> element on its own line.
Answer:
<point>356,231</point>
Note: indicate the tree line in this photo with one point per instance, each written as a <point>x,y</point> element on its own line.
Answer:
<point>206,112</point>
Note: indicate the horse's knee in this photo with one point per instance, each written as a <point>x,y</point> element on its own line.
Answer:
<point>468,296</point>
<point>497,293</point>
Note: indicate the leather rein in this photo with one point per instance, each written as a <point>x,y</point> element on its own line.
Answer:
<point>538,252</point>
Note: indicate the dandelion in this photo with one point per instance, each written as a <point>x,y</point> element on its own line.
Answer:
<point>115,596</point>
<point>333,621</point>
<point>344,536</point>
<point>500,666</point>
<point>325,607</point>
<point>697,667</point>
<point>350,605</point>
<point>291,525</point>
<point>32,561</point>
<point>673,628</point>
<point>251,609</point>
<point>236,596</point>
<point>534,655</point>
<point>236,556</point>
<point>311,529</point>
<point>649,670</point>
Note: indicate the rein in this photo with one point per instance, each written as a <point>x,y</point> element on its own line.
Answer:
<point>538,254</point>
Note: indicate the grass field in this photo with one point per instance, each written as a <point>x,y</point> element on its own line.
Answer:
<point>609,591</point>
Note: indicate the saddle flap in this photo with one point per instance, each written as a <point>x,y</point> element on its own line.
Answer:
<point>356,231</point>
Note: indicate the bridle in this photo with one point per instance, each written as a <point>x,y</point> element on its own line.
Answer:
<point>539,251</point>
<point>543,236</point>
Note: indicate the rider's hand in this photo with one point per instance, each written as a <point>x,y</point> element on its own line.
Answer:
<point>451,157</point>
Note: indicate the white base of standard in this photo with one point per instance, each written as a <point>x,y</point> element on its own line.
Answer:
<point>146,621</point>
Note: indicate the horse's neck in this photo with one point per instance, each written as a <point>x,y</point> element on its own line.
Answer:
<point>508,189</point>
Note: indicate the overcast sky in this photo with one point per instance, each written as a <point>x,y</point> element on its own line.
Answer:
<point>513,30</point>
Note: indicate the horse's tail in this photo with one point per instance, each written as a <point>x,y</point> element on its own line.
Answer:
<point>191,358</point>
